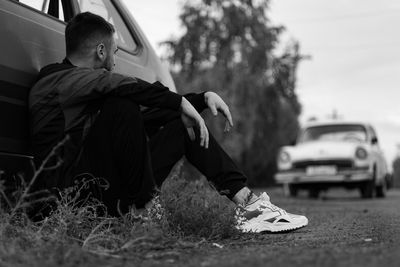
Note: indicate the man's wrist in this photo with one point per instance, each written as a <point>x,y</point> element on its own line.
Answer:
<point>206,95</point>
<point>183,102</point>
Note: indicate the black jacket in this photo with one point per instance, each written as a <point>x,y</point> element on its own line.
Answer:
<point>66,99</point>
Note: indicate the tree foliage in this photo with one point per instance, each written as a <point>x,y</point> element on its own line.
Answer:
<point>228,47</point>
<point>396,171</point>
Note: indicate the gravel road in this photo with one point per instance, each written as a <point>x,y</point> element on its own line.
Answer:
<point>344,230</point>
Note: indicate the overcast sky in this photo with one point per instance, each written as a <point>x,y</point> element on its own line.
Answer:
<point>355,56</point>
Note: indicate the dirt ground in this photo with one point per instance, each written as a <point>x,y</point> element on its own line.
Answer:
<point>343,230</point>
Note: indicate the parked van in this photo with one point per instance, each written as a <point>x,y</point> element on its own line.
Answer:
<point>32,36</point>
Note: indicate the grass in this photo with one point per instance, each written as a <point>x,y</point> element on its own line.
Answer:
<point>194,208</point>
<point>185,215</point>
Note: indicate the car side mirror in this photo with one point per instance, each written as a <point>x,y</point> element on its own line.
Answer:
<point>374,140</point>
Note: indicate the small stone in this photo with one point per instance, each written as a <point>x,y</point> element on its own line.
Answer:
<point>217,245</point>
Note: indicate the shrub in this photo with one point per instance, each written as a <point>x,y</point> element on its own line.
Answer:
<point>194,208</point>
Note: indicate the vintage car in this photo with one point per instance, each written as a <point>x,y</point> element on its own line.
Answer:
<point>32,36</point>
<point>330,154</point>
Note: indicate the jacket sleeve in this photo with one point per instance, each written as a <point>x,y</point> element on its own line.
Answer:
<point>86,85</point>
<point>197,100</point>
<point>157,117</point>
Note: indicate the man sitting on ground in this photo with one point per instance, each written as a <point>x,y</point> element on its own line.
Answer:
<point>111,137</point>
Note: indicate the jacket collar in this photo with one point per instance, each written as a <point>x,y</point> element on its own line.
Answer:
<point>56,67</point>
<point>67,62</point>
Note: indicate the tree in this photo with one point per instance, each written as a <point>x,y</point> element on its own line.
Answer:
<point>228,47</point>
<point>396,171</point>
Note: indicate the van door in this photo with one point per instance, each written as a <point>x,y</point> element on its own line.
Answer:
<point>132,56</point>
<point>32,33</point>
<point>31,39</point>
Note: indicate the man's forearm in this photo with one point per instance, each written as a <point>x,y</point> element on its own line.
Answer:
<point>153,95</point>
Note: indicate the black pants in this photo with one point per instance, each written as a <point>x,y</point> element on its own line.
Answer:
<point>135,152</point>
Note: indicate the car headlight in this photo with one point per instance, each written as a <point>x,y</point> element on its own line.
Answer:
<point>361,153</point>
<point>284,160</point>
<point>284,157</point>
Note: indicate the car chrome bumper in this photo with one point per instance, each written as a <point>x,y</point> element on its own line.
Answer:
<point>302,177</point>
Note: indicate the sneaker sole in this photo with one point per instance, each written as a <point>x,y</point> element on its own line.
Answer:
<point>262,227</point>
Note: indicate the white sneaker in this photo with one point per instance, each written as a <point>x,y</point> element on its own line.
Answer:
<point>262,216</point>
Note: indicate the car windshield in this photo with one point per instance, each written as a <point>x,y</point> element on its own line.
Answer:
<point>348,133</point>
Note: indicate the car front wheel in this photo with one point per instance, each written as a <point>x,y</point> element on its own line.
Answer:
<point>290,190</point>
<point>367,188</point>
<point>313,193</point>
<point>293,190</point>
<point>381,189</point>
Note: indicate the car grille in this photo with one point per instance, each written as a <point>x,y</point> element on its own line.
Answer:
<point>340,164</point>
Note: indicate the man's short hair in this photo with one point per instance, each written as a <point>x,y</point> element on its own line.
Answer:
<point>85,28</point>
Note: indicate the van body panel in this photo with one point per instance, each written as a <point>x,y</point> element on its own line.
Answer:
<point>31,40</point>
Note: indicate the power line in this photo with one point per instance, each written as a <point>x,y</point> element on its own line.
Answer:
<point>362,46</point>
<point>360,15</point>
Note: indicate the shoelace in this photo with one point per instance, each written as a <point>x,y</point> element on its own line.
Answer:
<point>268,204</point>
<point>248,198</point>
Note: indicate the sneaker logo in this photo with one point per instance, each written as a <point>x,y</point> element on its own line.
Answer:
<point>283,220</point>
<point>252,214</point>
<point>261,207</point>
<point>275,220</point>
<point>271,220</point>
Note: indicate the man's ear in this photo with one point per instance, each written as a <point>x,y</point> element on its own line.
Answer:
<point>101,51</point>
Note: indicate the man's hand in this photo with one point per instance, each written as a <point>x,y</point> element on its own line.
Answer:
<point>215,104</point>
<point>190,118</point>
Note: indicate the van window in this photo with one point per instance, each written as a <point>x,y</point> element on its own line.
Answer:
<point>109,13</point>
<point>43,6</point>
<point>36,4</point>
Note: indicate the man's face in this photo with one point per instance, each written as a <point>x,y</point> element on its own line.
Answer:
<point>109,62</point>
